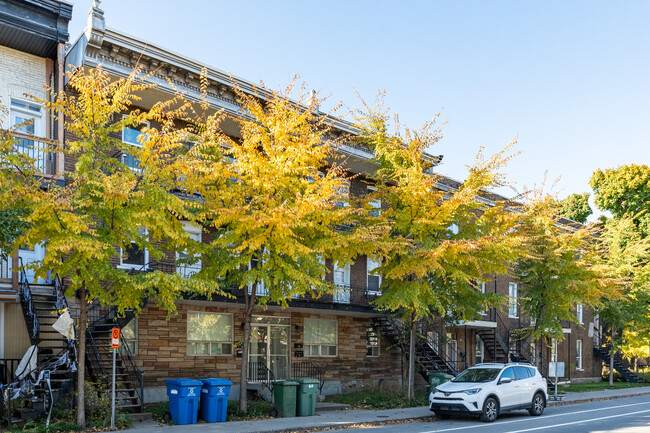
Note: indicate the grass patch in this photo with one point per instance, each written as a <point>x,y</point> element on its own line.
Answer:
<point>259,409</point>
<point>379,399</point>
<point>599,386</point>
<point>256,410</point>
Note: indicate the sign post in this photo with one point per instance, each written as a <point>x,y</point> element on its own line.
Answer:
<point>115,344</point>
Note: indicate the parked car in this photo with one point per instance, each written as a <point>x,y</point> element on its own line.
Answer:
<point>487,390</point>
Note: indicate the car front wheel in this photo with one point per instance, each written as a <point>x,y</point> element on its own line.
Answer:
<point>490,410</point>
<point>538,405</point>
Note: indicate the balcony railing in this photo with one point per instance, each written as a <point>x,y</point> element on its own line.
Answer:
<point>41,150</point>
<point>342,296</point>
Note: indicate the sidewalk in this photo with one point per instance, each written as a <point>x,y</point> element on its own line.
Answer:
<point>349,418</point>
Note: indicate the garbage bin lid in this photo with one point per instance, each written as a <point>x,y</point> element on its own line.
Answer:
<point>306,380</point>
<point>184,382</point>
<point>285,383</point>
<point>216,381</point>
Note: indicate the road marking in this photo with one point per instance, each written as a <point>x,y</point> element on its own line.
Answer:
<point>579,422</point>
<point>537,418</point>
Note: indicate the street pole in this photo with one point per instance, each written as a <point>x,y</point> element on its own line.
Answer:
<point>113,393</point>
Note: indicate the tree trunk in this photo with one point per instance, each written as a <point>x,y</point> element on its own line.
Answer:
<point>611,361</point>
<point>412,359</point>
<point>243,375</point>
<point>81,358</point>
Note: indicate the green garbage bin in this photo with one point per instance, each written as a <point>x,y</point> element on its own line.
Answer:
<point>437,378</point>
<point>284,396</point>
<point>307,390</point>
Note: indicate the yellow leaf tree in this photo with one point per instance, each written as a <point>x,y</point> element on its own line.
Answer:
<point>117,198</point>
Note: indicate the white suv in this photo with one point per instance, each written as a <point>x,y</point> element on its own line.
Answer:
<point>489,389</point>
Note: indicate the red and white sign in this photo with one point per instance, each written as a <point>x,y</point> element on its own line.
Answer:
<point>115,338</point>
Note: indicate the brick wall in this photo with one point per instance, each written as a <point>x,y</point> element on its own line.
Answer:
<point>20,73</point>
<point>162,346</point>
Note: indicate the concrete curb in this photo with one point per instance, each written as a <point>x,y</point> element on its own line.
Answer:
<point>433,417</point>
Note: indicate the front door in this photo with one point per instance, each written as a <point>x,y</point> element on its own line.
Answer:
<point>269,351</point>
<point>29,255</point>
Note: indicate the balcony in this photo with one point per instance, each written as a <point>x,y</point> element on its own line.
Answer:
<point>42,150</point>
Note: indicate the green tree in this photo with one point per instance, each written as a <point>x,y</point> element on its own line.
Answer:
<point>436,239</point>
<point>576,207</point>
<point>273,214</point>
<point>624,191</point>
<point>559,268</point>
<point>108,207</point>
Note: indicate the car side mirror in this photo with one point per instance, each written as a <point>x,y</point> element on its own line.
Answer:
<point>505,380</point>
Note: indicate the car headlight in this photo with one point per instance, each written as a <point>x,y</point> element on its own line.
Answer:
<point>472,391</point>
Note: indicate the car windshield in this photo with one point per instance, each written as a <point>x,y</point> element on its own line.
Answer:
<point>477,375</point>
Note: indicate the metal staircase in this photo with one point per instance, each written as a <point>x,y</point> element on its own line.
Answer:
<point>427,358</point>
<point>496,340</point>
<point>42,305</point>
<point>129,379</point>
<point>620,364</point>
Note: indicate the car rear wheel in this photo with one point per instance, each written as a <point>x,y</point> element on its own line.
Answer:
<point>490,410</point>
<point>538,405</point>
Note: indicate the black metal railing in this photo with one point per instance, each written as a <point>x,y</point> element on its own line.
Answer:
<point>41,150</point>
<point>260,373</point>
<point>27,303</point>
<point>8,370</point>
<point>308,369</point>
<point>502,335</point>
<point>135,375</point>
<point>97,370</point>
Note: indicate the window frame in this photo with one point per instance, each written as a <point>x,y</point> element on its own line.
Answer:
<point>145,124</point>
<point>580,314</point>
<point>132,343</point>
<point>372,348</point>
<point>370,260</point>
<point>190,229</point>
<point>307,353</point>
<point>210,342</point>
<point>123,265</point>
<point>513,300</point>
<point>579,366</point>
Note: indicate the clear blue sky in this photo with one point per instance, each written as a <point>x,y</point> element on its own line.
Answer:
<point>569,79</point>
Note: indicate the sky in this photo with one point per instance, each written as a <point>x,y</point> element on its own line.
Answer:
<point>568,80</point>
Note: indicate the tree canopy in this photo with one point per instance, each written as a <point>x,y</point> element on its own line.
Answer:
<point>576,207</point>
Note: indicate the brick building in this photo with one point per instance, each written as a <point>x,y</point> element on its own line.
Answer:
<point>340,338</point>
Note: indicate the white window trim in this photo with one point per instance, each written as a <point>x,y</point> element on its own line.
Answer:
<point>368,345</point>
<point>580,314</point>
<point>369,274</point>
<point>123,265</point>
<point>483,287</point>
<point>513,300</point>
<point>231,342</point>
<point>192,230</point>
<point>336,342</point>
<point>579,366</point>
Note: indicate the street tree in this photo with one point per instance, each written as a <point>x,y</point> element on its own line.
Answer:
<point>576,207</point>
<point>442,238</point>
<point>115,200</point>
<point>269,196</point>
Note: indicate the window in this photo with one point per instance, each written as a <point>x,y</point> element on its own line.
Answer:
<point>433,338</point>
<point>482,286</point>
<point>28,119</point>
<point>343,194</point>
<point>374,279</point>
<point>509,373</point>
<point>376,203</point>
<point>186,265</point>
<point>131,135</point>
<point>133,257</point>
<point>209,334</point>
<point>512,300</point>
<point>321,337</point>
<point>260,288</point>
<point>372,342</point>
<point>523,372</point>
<point>480,350</point>
<point>342,281</point>
<point>579,313</point>
<point>579,355</point>
<point>129,335</point>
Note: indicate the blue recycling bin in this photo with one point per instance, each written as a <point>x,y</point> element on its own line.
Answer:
<point>184,400</point>
<point>214,399</point>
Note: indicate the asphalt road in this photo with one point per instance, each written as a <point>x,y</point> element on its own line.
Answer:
<point>625,415</point>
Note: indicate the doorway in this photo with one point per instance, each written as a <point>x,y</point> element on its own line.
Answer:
<point>269,348</point>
